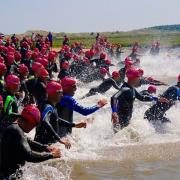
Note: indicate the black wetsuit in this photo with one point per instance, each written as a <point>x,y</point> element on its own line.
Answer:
<point>100,63</point>
<point>153,51</point>
<point>17,149</point>
<point>23,88</point>
<point>158,110</point>
<point>63,73</point>
<point>103,87</point>
<point>39,91</point>
<point>52,68</point>
<point>122,73</point>
<point>47,131</point>
<point>157,50</point>
<point>133,56</point>
<point>145,81</point>
<point>30,84</point>
<point>145,93</point>
<point>122,103</point>
<point>10,70</point>
<point>23,52</point>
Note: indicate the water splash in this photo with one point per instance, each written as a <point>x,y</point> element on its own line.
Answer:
<point>137,141</point>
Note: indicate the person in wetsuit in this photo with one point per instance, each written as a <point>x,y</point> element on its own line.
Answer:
<point>149,80</point>
<point>127,65</point>
<point>105,85</point>
<point>158,110</point>
<point>47,132</point>
<point>119,52</point>
<point>39,91</point>
<point>16,148</point>
<point>149,92</point>
<point>100,63</point>
<point>66,41</point>
<point>31,82</point>
<point>64,72</point>
<point>134,54</point>
<point>68,104</point>
<point>23,75</point>
<point>122,102</point>
<point>153,50</point>
<point>52,65</point>
<point>10,109</point>
<point>50,38</point>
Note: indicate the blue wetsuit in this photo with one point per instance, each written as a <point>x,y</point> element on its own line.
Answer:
<point>65,111</point>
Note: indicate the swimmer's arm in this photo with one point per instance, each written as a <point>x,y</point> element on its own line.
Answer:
<point>115,85</point>
<point>49,127</point>
<point>81,109</point>
<point>32,156</point>
<point>144,97</point>
<point>36,146</point>
<point>65,123</point>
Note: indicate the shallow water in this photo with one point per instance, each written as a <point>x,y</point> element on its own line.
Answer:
<point>136,152</point>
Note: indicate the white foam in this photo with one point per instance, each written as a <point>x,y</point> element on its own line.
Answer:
<point>88,144</point>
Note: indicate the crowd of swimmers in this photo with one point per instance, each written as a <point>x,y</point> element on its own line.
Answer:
<point>37,88</point>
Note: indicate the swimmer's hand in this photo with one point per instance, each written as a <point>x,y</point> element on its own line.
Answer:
<point>66,143</point>
<point>50,148</point>
<point>56,153</point>
<point>81,125</point>
<point>102,102</point>
<point>163,100</point>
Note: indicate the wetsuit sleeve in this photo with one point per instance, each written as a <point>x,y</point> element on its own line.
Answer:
<point>28,154</point>
<point>65,123</point>
<point>114,102</point>
<point>9,112</point>
<point>23,87</point>
<point>155,83</point>
<point>85,110</point>
<point>49,127</point>
<point>144,97</point>
<point>36,146</point>
<point>71,103</point>
<point>114,84</point>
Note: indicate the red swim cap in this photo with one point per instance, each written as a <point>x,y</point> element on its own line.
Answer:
<point>31,114</point>
<point>132,74</point>
<point>115,74</point>
<point>53,87</point>
<point>67,82</point>
<point>152,89</point>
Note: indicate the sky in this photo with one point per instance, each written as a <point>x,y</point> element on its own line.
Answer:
<point>18,16</point>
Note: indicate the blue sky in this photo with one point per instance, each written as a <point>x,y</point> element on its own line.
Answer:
<point>86,15</point>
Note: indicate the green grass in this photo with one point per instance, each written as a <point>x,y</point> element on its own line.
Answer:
<point>144,37</point>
